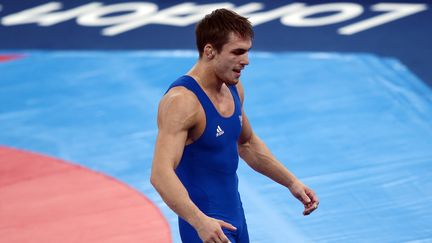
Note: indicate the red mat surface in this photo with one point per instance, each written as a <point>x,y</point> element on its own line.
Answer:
<point>47,200</point>
<point>5,58</point>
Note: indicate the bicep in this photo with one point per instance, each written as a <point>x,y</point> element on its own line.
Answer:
<point>175,117</point>
<point>169,148</point>
<point>246,132</point>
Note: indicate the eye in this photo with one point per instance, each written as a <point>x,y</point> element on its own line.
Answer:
<point>238,52</point>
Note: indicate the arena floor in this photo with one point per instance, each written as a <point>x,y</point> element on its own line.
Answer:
<point>355,127</point>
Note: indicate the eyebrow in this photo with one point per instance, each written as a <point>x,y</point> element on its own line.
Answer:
<point>241,49</point>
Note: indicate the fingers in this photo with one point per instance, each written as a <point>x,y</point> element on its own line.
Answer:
<point>312,196</point>
<point>304,198</point>
<point>217,235</point>
<point>310,208</point>
<point>223,238</point>
<point>219,238</point>
<point>313,204</point>
<point>227,225</point>
<point>307,197</point>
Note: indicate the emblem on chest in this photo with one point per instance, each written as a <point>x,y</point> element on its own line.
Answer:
<point>219,131</point>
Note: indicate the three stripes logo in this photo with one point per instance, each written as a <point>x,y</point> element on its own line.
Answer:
<point>219,131</point>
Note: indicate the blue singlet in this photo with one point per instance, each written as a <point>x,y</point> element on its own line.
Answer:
<point>208,167</point>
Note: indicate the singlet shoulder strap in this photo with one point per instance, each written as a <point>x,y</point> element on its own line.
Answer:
<point>192,85</point>
<point>236,96</point>
<point>234,91</point>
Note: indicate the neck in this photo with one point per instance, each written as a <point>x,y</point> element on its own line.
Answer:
<point>204,75</point>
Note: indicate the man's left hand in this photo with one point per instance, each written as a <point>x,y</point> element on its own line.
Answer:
<point>306,196</point>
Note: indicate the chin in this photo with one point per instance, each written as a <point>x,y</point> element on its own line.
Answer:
<point>233,81</point>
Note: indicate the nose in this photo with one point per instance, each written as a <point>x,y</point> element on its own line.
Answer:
<point>245,59</point>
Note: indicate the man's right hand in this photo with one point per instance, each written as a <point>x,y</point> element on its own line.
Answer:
<point>210,230</point>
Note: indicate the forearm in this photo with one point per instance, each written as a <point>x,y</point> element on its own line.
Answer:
<point>258,156</point>
<point>176,196</point>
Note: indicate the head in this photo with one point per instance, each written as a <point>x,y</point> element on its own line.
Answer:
<point>224,37</point>
<point>216,27</point>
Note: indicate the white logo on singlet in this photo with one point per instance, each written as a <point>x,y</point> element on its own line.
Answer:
<point>241,120</point>
<point>219,131</point>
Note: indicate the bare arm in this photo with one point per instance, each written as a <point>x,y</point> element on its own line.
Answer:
<point>257,155</point>
<point>176,116</point>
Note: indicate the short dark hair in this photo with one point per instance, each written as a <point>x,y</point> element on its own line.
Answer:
<point>215,28</point>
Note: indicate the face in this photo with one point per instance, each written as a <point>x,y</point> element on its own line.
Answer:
<point>232,59</point>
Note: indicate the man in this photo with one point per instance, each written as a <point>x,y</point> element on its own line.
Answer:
<point>203,130</point>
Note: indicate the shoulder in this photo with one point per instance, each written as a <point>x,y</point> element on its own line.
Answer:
<point>179,105</point>
<point>178,97</point>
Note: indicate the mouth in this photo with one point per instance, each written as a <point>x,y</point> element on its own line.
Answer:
<point>237,71</point>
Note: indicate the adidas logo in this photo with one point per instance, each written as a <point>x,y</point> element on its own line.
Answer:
<point>219,131</point>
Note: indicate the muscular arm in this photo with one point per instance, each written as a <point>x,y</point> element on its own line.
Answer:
<point>175,118</point>
<point>177,114</point>
<point>257,155</point>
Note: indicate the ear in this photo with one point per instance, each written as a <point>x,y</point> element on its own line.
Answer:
<point>209,51</point>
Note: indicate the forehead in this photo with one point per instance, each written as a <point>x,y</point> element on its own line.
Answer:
<point>235,41</point>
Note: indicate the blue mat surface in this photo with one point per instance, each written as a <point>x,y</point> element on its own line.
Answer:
<point>354,127</point>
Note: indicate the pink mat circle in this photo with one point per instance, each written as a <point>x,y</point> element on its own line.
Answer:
<point>43,199</point>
